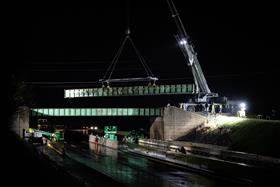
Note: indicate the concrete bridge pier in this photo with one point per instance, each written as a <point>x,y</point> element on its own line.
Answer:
<point>20,121</point>
<point>175,123</point>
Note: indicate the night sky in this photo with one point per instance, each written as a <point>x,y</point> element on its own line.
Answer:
<point>237,45</point>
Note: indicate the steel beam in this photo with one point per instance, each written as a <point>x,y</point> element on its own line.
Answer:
<point>96,112</point>
<point>130,91</point>
<point>129,80</point>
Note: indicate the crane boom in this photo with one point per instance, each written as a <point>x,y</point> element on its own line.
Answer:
<point>187,49</point>
<point>203,93</point>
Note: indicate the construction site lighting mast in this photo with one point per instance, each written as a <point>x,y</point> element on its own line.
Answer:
<point>202,91</point>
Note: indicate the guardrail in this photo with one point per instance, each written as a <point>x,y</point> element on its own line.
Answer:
<point>208,150</point>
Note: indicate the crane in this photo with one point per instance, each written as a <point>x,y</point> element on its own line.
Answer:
<point>202,90</point>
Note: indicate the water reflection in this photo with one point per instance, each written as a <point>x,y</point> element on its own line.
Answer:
<point>135,171</point>
<point>101,150</point>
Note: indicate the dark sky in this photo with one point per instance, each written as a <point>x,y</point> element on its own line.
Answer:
<point>237,44</point>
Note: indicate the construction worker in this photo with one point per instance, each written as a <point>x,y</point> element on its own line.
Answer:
<point>96,139</point>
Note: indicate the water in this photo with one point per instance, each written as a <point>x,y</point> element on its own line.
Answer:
<point>134,170</point>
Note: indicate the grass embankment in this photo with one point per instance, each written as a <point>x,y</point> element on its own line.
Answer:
<point>241,134</point>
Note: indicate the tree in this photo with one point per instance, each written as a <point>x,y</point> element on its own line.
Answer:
<point>21,94</point>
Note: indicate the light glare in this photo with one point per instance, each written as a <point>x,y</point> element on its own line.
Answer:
<point>183,41</point>
<point>242,106</point>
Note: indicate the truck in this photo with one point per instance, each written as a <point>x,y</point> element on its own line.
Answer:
<point>36,136</point>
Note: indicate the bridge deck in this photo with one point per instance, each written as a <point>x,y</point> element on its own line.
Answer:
<point>96,112</point>
<point>130,91</point>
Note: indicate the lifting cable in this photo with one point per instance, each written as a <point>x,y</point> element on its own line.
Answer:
<point>108,74</point>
